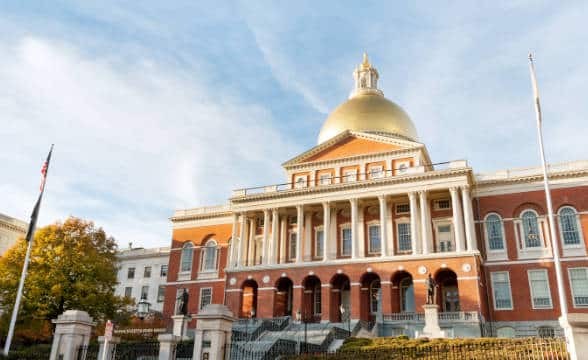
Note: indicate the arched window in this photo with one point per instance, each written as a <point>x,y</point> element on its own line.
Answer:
<point>407,295</point>
<point>187,252</point>
<point>209,259</point>
<point>494,233</point>
<point>568,226</point>
<point>374,295</point>
<point>531,229</point>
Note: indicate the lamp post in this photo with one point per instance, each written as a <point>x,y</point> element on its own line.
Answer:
<point>143,308</point>
<point>342,311</point>
<point>299,318</point>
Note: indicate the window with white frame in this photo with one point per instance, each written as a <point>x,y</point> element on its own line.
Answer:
<point>205,297</point>
<point>579,285</point>
<point>144,291</point>
<point>404,237</point>
<point>403,208</point>
<point>376,171</point>
<point>128,291</point>
<point>187,253</point>
<point>161,293</point>
<point>346,241</point>
<point>209,256</point>
<point>444,238</point>
<point>494,232</point>
<point>501,290</point>
<point>402,167</point>
<point>540,292</point>
<point>442,204</point>
<point>292,246</point>
<point>375,240</point>
<point>350,175</point>
<point>163,270</point>
<point>325,179</point>
<point>568,226</point>
<point>531,234</point>
<point>319,242</point>
<point>300,181</point>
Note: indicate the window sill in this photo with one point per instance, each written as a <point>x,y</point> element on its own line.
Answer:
<point>493,255</point>
<point>184,276</point>
<point>534,253</point>
<point>571,251</point>
<point>208,275</point>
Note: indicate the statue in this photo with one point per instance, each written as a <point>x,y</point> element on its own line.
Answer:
<point>431,285</point>
<point>182,301</point>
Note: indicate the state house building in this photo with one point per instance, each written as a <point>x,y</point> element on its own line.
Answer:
<point>365,216</point>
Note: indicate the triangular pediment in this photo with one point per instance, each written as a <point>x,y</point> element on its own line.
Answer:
<point>353,143</point>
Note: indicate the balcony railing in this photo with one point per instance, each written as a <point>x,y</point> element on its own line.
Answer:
<point>454,316</point>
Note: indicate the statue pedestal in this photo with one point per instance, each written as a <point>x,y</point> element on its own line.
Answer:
<point>432,329</point>
<point>181,325</point>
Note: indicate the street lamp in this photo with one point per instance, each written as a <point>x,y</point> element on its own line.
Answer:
<point>143,308</point>
<point>299,318</point>
<point>342,311</point>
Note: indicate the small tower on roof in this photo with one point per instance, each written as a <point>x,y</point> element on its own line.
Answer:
<point>366,78</point>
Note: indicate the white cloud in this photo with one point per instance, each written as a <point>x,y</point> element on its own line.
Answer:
<point>132,140</point>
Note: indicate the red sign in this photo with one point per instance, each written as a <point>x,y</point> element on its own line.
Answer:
<point>108,329</point>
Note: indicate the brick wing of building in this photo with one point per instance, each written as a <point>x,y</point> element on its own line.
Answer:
<point>362,220</point>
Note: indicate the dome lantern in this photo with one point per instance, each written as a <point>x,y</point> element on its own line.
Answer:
<point>366,78</point>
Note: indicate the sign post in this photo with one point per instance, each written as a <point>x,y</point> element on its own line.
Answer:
<point>108,330</point>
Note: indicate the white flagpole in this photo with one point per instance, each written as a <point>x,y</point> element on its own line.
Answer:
<point>563,305</point>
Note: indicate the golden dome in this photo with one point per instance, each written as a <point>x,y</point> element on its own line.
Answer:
<point>368,110</point>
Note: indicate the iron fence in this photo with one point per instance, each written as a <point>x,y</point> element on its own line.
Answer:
<point>148,350</point>
<point>88,352</point>
<point>184,350</point>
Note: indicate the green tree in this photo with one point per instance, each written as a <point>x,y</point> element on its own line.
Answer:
<point>73,266</point>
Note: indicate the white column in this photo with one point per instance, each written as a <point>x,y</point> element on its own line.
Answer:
<point>354,240</point>
<point>283,239</point>
<point>383,225</point>
<point>234,245</point>
<point>361,245</point>
<point>307,238</point>
<point>272,252</point>
<point>242,243</point>
<point>337,178</point>
<point>251,242</point>
<point>265,244</point>
<point>326,231</point>
<point>426,231</point>
<point>299,229</point>
<point>457,220</point>
<point>468,214</point>
<point>414,232</point>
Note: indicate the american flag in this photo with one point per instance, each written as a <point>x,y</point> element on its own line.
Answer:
<point>35,213</point>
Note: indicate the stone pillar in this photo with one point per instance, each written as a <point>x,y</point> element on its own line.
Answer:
<point>232,257</point>
<point>354,232</point>
<point>576,333</point>
<point>414,233</point>
<point>326,232</point>
<point>180,328</point>
<point>426,231</point>
<point>109,348</point>
<point>299,229</point>
<point>383,225</point>
<point>242,243</point>
<point>213,332</point>
<point>265,247</point>
<point>457,220</point>
<point>167,344</point>
<point>297,293</point>
<point>283,239</point>
<point>468,214</point>
<point>273,251</point>
<point>355,302</point>
<point>73,329</point>
<point>251,242</point>
<point>307,238</point>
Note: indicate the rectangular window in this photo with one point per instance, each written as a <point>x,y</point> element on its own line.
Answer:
<point>293,220</point>
<point>147,272</point>
<point>292,246</point>
<point>205,297</point>
<point>128,291</point>
<point>144,292</point>
<point>375,243</point>
<point>443,204</point>
<point>402,167</point>
<point>579,284</point>
<point>402,208</point>
<point>160,293</point>
<point>325,179</point>
<point>501,290</point>
<point>350,176</point>
<point>131,273</point>
<point>376,172</point>
<point>540,293</point>
<point>318,247</point>
<point>444,238</point>
<point>300,182</point>
<point>163,271</point>
<point>404,240</point>
<point>346,242</point>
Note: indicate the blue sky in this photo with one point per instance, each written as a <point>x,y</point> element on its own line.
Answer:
<point>155,106</point>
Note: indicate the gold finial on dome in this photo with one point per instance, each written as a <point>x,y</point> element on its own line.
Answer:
<point>365,64</point>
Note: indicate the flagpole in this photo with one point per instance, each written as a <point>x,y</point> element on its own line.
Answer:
<point>25,266</point>
<point>563,304</point>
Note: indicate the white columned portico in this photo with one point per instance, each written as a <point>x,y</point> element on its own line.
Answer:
<point>266,229</point>
<point>468,215</point>
<point>299,229</point>
<point>326,230</point>
<point>251,242</point>
<point>354,232</point>
<point>283,236</point>
<point>272,252</point>
<point>414,230</point>
<point>234,244</point>
<point>242,243</point>
<point>457,220</point>
<point>426,230</point>
<point>383,225</point>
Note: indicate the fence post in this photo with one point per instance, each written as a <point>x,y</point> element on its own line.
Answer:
<point>109,348</point>
<point>167,346</point>
<point>72,330</point>
<point>213,332</point>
